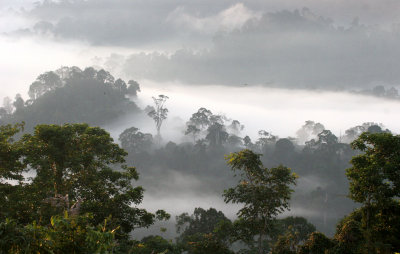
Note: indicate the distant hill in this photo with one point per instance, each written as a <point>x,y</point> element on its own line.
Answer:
<point>72,95</point>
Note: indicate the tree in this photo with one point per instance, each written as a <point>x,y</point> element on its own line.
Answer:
<point>154,244</point>
<point>78,97</point>
<point>18,102</point>
<point>63,234</point>
<point>192,129</point>
<point>317,243</point>
<point>247,142</point>
<point>236,127</point>
<point>105,77</point>
<point>284,149</point>
<point>10,153</point>
<point>326,142</point>
<point>201,119</point>
<point>298,226</point>
<point>288,234</point>
<point>120,85</point>
<point>217,135</point>
<point>133,87</point>
<point>208,244</point>
<point>11,169</point>
<point>264,139</point>
<point>355,132</point>
<point>134,141</point>
<point>234,141</point>
<point>264,192</point>
<point>44,83</point>
<point>375,177</point>
<point>159,113</point>
<point>75,163</point>
<point>379,91</point>
<point>205,231</point>
<point>200,222</point>
<point>309,130</point>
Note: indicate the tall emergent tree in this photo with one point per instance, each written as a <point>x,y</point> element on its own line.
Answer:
<point>375,183</point>
<point>264,192</point>
<point>159,113</point>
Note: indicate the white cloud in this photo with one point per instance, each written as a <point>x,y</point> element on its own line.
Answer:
<point>234,17</point>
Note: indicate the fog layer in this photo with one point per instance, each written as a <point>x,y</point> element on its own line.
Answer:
<point>280,111</point>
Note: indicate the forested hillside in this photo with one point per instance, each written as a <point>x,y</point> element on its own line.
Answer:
<point>72,95</point>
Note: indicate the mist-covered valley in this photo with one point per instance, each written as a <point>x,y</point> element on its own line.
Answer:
<point>195,95</point>
<point>183,168</point>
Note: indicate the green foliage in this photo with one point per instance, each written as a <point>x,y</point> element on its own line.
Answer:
<point>383,233</point>
<point>289,233</point>
<point>11,169</point>
<point>154,244</point>
<point>76,160</point>
<point>10,153</point>
<point>295,225</point>
<point>207,244</point>
<point>204,231</point>
<point>63,235</point>
<point>374,176</point>
<point>317,243</point>
<point>76,168</point>
<point>375,182</point>
<point>200,222</point>
<point>12,238</point>
<point>264,192</point>
<point>285,244</point>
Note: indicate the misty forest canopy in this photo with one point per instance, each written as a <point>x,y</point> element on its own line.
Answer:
<point>80,165</point>
<point>72,179</point>
<point>70,94</point>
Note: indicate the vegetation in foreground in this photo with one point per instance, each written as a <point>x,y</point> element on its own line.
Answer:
<point>79,198</point>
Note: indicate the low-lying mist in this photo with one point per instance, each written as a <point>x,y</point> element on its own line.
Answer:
<point>279,111</point>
